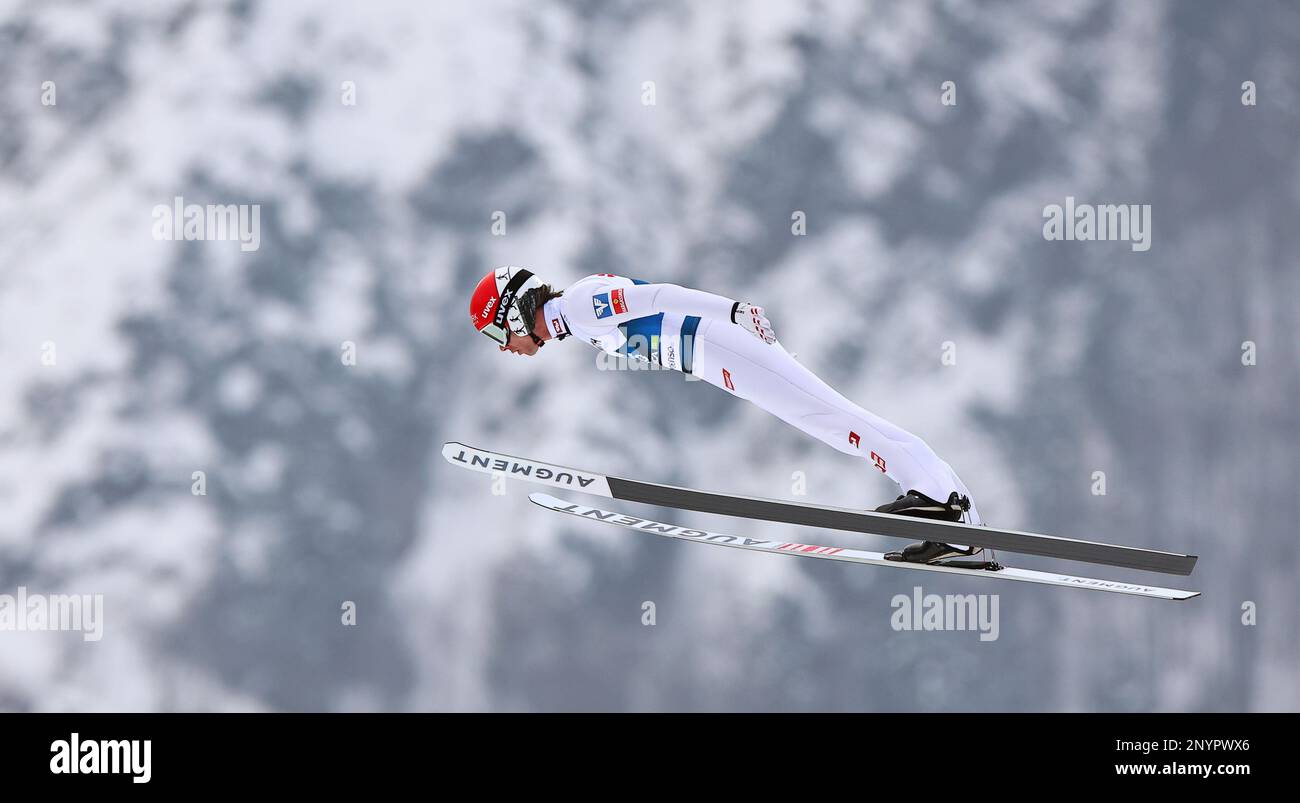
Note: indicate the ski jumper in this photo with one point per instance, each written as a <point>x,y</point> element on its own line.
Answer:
<point>691,331</point>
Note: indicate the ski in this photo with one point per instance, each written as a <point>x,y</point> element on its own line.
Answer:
<point>799,513</point>
<point>972,568</point>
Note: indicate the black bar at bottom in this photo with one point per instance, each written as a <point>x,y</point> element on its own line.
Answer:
<point>1041,755</point>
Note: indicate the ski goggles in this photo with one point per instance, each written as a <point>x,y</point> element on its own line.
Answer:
<point>498,331</point>
<point>497,334</point>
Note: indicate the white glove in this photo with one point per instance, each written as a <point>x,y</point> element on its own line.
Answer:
<point>754,320</point>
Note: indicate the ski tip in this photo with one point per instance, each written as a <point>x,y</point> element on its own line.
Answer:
<point>452,448</point>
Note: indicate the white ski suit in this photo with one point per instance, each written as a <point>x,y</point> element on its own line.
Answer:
<point>691,331</point>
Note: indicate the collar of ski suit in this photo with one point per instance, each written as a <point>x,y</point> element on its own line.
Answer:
<point>555,322</point>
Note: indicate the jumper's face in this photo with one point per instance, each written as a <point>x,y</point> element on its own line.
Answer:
<point>520,345</point>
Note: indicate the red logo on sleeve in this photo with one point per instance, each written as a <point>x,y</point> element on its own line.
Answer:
<point>854,440</point>
<point>620,304</point>
<point>726,379</point>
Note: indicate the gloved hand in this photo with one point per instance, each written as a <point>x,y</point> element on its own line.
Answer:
<point>754,320</point>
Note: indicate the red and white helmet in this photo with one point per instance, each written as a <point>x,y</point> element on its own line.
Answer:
<point>494,307</point>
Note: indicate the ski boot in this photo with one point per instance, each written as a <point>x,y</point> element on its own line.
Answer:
<point>915,503</point>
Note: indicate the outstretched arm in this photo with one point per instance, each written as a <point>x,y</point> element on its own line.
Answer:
<point>627,303</point>
<point>676,299</point>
